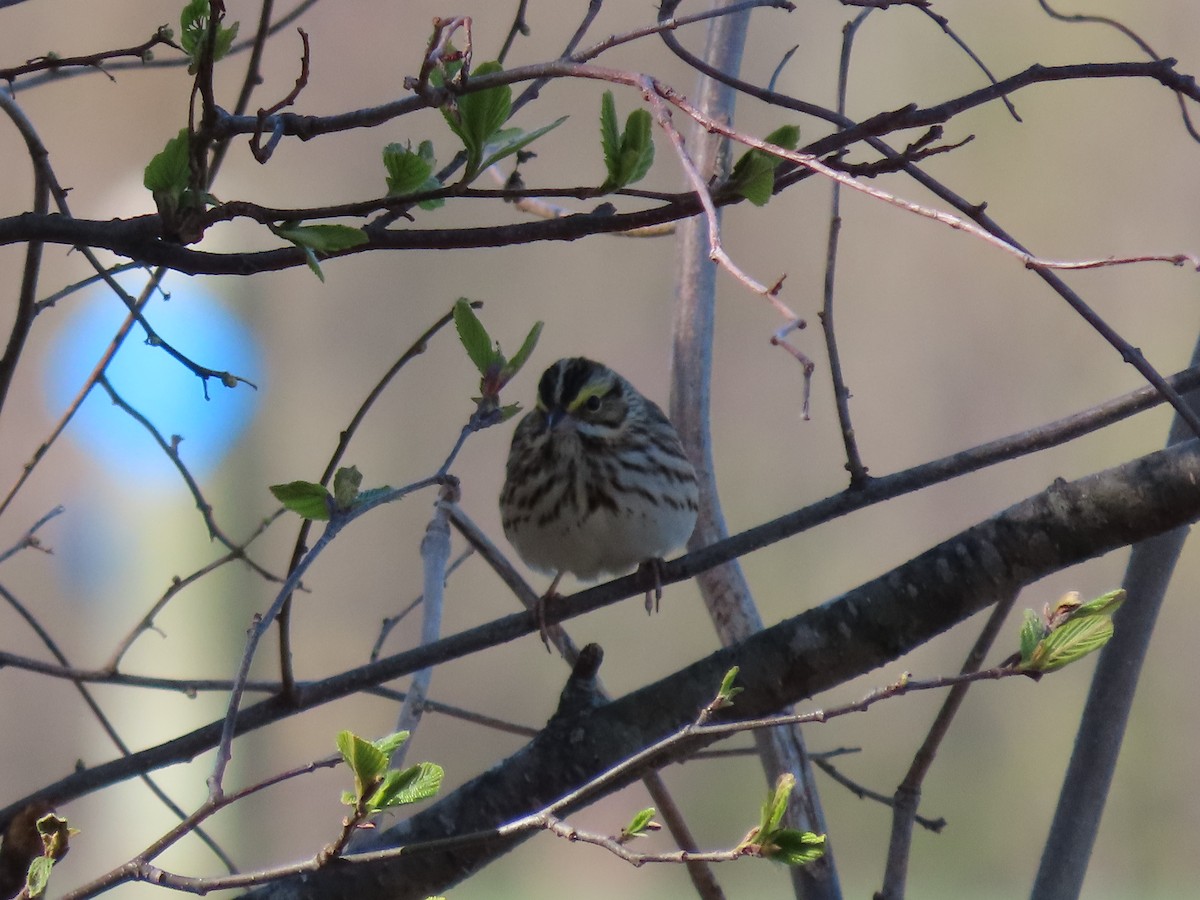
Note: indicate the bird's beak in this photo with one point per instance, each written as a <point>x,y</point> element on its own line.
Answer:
<point>554,415</point>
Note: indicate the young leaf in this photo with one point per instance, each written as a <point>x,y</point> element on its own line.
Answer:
<point>411,785</point>
<point>411,173</point>
<point>55,834</point>
<point>225,39</point>
<point>366,761</point>
<point>1071,641</point>
<point>319,239</point>
<point>193,31</point>
<point>307,499</point>
<point>388,745</point>
<point>753,175</point>
<point>508,141</point>
<point>406,171</point>
<point>474,336</point>
<point>1032,631</point>
<point>629,157</point>
<point>641,823</point>
<point>513,366</point>
<point>1105,604</point>
<point>637,147</point>
<point>476,116</point>
<point>728,691</point>
<point>772,811</point>
<point>37,879</point>
<point>795,848</point>
<point>167,174</point>
<point>610,138</point>
<point>193,21</point>
<point>345,486</point>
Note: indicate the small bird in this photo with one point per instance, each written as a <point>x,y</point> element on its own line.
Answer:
<point>597,480</point>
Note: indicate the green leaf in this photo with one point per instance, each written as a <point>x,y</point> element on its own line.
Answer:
<point>508,141</point>
<point>794,848</point>
<point>1073,640</point>
<point>411,173</point>
<point>637,147</point>
<point>319,239</point>
<point>345,486</point>
<point>753,175</point>
<point>406,170</point>
<point>37,879</point>
<point>225,39</point>
<point>776,805</point>
<point>167,174</point>
<point>474,336</point>
<point>312,501</point>
<point>514,365</point>
<point>629,157</point>
<point>728,691</point>
<point>388,745</point>
<point>1032,632</point>
<point>366,761</point>
<point>1105,604</point>
<point>55,834</point>
<point>310,260</point>
<point>610,138</point>
<point>476,116</point>
<point>508,411</point>
<point>642,823</point>
<point>370,495</point>
<point>193,31</point>
<point>411,785</point>
<point>193,22</point>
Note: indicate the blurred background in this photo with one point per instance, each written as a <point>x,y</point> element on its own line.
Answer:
<point>946,343</point>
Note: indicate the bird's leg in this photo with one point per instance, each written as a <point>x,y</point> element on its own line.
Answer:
<point>539,610</point>
<point>652,568</point>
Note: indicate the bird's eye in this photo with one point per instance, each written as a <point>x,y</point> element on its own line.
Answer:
<point>592,403</point>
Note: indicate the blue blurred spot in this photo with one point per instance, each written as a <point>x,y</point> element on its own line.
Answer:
<point>196,324</point>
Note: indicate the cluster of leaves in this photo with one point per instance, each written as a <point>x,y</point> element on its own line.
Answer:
<point>411,172</point>
<point>1068,631</point>
<point>628,155</point>
<point>168,178</point>
<point>315,501</point>
<point>784,845</point>
<point>753,175</point>
<point>478,119</point>
<point>55,834</point>
<point>641,825</point>
<point>495,369</point>
<point>378,788</point>
<point>194,25</point>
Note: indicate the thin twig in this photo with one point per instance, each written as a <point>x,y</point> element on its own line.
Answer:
<point>1142,44</point>
<point>110,729</point>
<point>519,26</point>
<point>345,436</point>
<point>29,538</point>
<point>841,393</point>
<point>237,552</point>
<point>391,622</point>
<point>908,793</point>
<point>43,179</point>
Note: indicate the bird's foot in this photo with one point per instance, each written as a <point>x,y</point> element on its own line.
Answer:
<point>652,569</point>
<point>539,611</point>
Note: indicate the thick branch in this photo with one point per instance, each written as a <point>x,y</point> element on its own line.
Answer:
<point>802,656</point>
